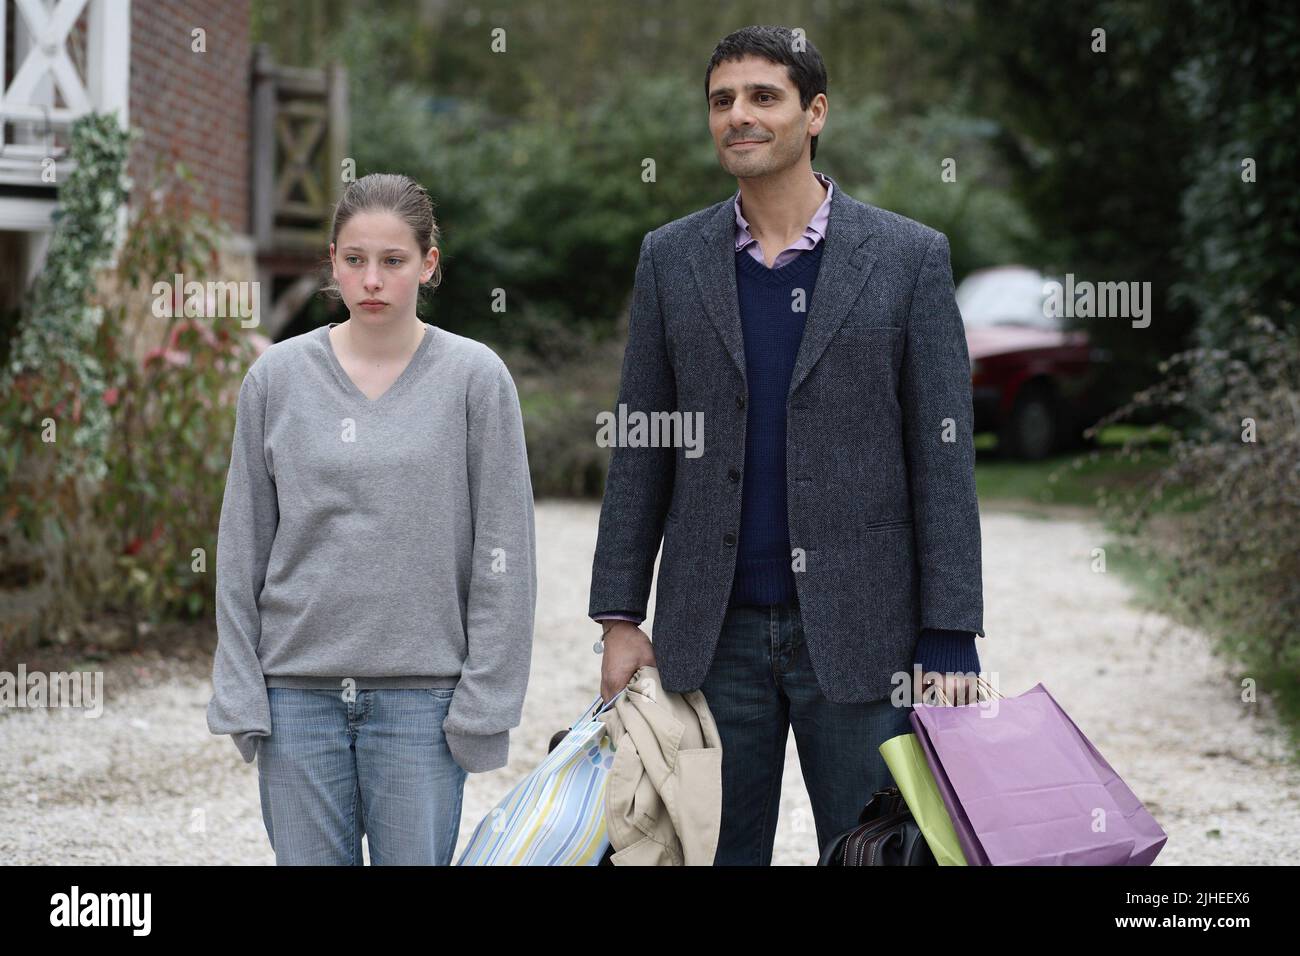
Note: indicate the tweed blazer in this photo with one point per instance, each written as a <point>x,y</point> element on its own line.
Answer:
<point>883,517</point>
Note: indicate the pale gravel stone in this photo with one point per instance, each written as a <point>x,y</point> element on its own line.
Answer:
<point>146,784</point>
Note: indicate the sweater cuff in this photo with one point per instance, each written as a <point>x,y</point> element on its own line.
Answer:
<point>247,743</point>
<point>947,652</point>
<point>479,753</point>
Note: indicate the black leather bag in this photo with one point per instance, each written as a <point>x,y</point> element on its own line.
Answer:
<point>886,835</point>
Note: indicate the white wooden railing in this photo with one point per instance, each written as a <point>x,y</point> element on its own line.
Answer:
<point>59,73</point>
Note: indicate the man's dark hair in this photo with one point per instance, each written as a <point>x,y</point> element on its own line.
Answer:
<point>805,67</point>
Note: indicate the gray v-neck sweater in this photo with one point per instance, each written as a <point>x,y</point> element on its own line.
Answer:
<point>389,542</point>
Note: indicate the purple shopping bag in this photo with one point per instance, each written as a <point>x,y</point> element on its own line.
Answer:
<point>1030,786</point>
<point>970,844</point>
<point>1151,837</point>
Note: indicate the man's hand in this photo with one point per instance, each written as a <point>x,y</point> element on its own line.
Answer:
<point>959,689</point>
<point>627,647</point>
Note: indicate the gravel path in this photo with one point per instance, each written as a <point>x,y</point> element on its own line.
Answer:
<point>146,784</point>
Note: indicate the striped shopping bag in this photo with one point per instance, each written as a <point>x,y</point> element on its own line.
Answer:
<point>555,816</point>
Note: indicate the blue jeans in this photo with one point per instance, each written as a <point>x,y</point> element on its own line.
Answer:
<point>378,765</point>
<point>761,683</point>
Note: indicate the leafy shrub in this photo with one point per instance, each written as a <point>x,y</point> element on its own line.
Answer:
<point>111,518</point>
<point>173,412</point>
<point>54,425</point>
<point>1233,476</point>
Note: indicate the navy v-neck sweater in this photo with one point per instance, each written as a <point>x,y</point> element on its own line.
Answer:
<point>773,307</point>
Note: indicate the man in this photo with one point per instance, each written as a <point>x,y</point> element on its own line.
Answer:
<point>824,550</point>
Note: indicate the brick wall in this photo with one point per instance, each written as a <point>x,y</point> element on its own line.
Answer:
<point>198,103</point>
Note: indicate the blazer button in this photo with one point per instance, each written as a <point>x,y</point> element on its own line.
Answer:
<point>729,539</point>
<point>740,401</point>
<point>733,474</point>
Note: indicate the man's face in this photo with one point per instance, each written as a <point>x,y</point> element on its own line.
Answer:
<point>757,124</point>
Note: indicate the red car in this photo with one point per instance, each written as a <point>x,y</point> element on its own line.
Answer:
<point>1033,382</point>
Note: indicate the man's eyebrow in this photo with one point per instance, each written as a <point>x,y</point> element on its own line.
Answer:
<point>749,88</point>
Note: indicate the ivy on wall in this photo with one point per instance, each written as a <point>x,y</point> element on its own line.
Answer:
<point>53,377</point>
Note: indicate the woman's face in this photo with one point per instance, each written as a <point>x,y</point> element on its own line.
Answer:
<point>378,267</point>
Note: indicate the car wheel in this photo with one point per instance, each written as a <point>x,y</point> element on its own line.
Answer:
<point>1031,431</point>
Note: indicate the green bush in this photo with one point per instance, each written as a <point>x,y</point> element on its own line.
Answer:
<point>1240,240</point>
<point>173,413</point>
<point>560,399</point>
<point>1233,478</point>
<point>146,443</point>
<point>52,381</point>
<point>984,224</point>
<point>54,425</point>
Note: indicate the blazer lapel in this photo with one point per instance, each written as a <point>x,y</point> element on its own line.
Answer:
<point>846,262</point>
<point>714,265</point>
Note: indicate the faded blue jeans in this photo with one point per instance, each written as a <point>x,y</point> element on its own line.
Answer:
<point>378,765</point>
<point>761,684</point>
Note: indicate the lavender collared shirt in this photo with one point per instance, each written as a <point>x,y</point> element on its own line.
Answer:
<point>813,233</point>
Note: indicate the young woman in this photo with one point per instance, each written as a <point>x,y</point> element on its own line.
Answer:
<point>376,558</point>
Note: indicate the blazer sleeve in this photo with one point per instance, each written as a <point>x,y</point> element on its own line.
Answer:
<point>250,514</point>
<point>938,441</point>
<point>639,485</point>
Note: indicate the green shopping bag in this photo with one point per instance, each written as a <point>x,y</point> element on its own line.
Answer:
<point>915,781</point>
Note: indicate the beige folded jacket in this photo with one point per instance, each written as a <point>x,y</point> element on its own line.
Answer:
<point>663,796</point>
